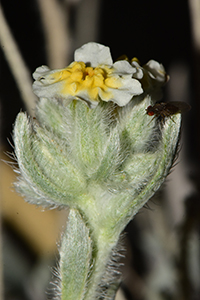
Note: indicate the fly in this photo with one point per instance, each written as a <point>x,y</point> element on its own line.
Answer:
<point>167,109</point>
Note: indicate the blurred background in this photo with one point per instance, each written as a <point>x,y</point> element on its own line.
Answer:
<point>163,241</point>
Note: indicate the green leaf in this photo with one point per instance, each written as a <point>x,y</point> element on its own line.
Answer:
<point>75,258</point>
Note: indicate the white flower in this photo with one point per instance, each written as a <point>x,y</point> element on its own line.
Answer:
<point>151,75</point>
<point>156,71</point>
<point>91,77</point>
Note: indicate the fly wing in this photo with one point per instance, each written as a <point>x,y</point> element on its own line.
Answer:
<point>178,107</point>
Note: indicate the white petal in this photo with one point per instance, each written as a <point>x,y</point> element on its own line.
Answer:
<point>94,54</point>
<point>139,70</point>
<point>47,91</point>
<point>41,71</point>
<point>124,67</point>
<point>133,86</point>
<point>156,70</point>
<point>83,95</point>
<point>130,88</point>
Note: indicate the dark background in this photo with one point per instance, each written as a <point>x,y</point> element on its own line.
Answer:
<point>147,29</point>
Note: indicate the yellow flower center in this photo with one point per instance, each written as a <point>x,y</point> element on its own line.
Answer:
<point>77,77</point>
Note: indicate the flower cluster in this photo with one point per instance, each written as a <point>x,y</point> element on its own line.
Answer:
<point>93,77</point>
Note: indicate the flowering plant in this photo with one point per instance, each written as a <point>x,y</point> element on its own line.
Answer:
<point>93,149</point>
